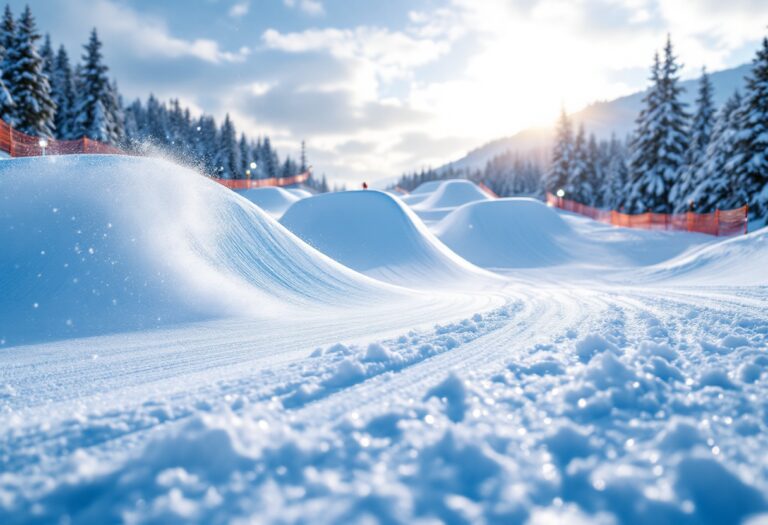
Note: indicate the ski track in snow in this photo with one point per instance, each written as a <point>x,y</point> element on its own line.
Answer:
<point>587,400</point>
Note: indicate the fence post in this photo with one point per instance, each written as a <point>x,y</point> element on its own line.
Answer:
<point>746,218</point>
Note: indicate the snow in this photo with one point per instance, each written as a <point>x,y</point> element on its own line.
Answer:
<point>506,233</point>
<point>275,201</point>
<point>447,196</point>
<point>621,379</point>
<point>85,253</point>
<point>379,237</point>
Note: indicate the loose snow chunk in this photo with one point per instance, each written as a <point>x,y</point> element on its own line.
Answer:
<point>568,443</point>
<point>453,391</point>
<point>591,345</point>
<point>750,372</point>
<point>347,373</point>
<point>711,348</point>
<point>378,352</point>
<point>717,378</point>
<point>658,349</point>
<point>734,341</point>
<point>718,495</point>
<point>681,434</point>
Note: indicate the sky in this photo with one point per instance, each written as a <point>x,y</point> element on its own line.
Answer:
<point>379,87</point>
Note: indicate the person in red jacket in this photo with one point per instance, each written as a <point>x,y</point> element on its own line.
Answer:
<point>365,185</point>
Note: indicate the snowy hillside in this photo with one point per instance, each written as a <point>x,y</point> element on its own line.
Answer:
<point>603,118</point>
<point>219,369</point>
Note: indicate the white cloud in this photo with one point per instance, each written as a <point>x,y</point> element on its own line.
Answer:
<point>310,7</point>
<point>239,9</point>
<point>147,36</point>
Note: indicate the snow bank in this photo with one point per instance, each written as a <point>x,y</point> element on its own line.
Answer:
<point>272,200</point>
<point>506,233</point>
<point>733,261</point>
<point>374,233</point>
<point>98,244</point>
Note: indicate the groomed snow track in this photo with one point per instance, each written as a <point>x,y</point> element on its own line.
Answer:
<point>550,397</point>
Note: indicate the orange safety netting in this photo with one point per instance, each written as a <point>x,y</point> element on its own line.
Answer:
<point>720,222</point>
<point>18,144</point>
<point>247,184</point>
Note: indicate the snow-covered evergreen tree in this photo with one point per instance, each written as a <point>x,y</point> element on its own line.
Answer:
<point>660,140</point>
<point>96,105</point>
<point>592,185</point>
<point>7,36</point>
<point>63,94</point>
<point>578,187</point>
<point>303,158</point>
<point>244,155</point>
<point>714,180</point>
<point>750,160</point>
<point>29,87</point>
<point>226,155</point>
<point>700,135</point>
<point>616,175</point>
<point>562,155</point>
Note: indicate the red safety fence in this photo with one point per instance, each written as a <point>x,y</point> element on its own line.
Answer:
<point>18,144</point>
<point>247,184</point>
<point>720,222</point>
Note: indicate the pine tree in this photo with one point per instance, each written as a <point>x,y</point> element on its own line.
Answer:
<point>751,148</point>
<point>7,36</point>
<point>714,180</point>
<point>303,159</point>
<point>226,158</point>
<point>95,107</point>
<point>577,187</point>
<point>660,141</point>
<point>591,188</point>
<point>47,56</point>
<point>63,95</point>
<point>560,170</point>
<point>700,135</point>
<point>616,175</point>
<point>244,150</point>
<point>29,87</point>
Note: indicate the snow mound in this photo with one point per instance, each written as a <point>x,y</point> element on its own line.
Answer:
<point>101,244</point>
<point>272,200</point>
<point>299,192</point>
<point>506,233</point>
<point>374,233</point>
<point>427,187</point>
<point>730,262</point>
<point>448,196</point>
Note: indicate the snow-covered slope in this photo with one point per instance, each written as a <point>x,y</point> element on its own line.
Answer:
<point>272,200</point>
<point>94,244</point>
<point>374,233</point>
<point>736,261</point>
<point>602,118</point>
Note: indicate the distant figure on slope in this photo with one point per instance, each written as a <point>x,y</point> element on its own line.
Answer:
<point>365,185</point>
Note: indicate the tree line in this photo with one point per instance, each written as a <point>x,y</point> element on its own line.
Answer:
<point>42,94</point>
<point>676,161</point>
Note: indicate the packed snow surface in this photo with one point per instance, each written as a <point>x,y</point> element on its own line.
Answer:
<point>372,232</point>
<point>272,200</point>
<point>622,379</point>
